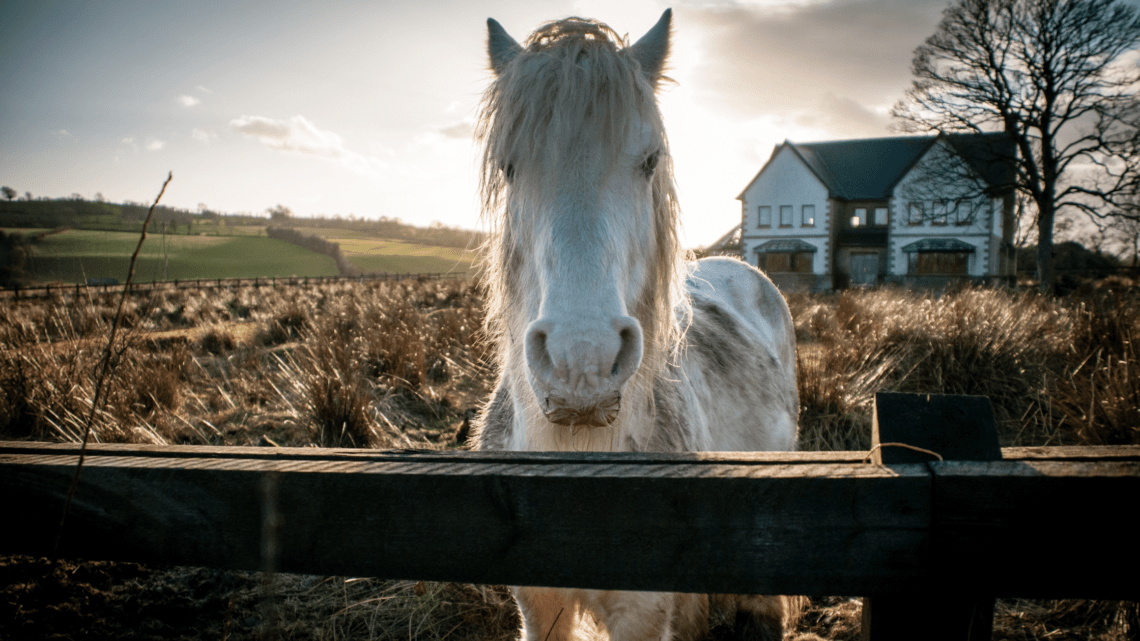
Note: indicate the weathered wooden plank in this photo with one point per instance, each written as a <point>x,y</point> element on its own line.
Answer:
<point>951,427</point>
<point>1070,453</point>
<point>1031,527</point>
<point>956,427</point>
<point>1051,453</point>
<point>698,526</point>
<point>1020,528</point>
<point>314,453</point>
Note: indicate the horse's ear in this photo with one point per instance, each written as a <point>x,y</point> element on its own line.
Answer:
<point>501,47</point>
<point>653,48</point>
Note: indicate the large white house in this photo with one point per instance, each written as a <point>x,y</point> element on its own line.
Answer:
<point>916,210</point>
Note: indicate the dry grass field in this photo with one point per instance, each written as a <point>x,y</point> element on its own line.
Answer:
<point>399,364</point>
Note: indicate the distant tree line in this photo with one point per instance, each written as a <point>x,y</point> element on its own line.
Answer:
<point>90,214</point>
<point>75,212</point>
<point>314,244</point>
<point>15,250</point>
<point>436,233</point>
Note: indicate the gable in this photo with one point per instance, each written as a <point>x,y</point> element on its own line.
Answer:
<point>943,172</point>
<point>786,171</point>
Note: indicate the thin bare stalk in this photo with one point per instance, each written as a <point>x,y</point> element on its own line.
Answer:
<point>104,368</point>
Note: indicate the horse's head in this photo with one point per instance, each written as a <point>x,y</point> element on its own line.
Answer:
<point>577,182</point>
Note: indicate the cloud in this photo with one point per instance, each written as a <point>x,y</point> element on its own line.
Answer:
<point>203,90</point>
<point>203,134</point>
<point>153,144</point>
<point>839,114</point>
<point>299,135</point>
<point>836,61</point>
<point>461,130</point>
<point>188,101</point>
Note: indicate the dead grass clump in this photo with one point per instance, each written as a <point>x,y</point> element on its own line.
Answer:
<point>833,618</point>
<point>239,309</point>
<point>44,393</point>
<point>338,397</point>
<point>373,609</point>
<point>18,416</point>
<point>1098,395</point>
<point>284,326</point>
<point>972,341</point>
<point>217,340</point>
<point>153,382</point>
<point>837,389</point>
<point>1030,620</point>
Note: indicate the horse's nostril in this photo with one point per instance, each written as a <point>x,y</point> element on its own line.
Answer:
<point>629,353</point>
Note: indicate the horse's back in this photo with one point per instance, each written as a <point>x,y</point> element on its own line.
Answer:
<point>740,353</point>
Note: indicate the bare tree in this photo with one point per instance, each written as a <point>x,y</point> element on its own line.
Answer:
<point>1050,75</point>
<point>9,193</point>
<point>280,213</point>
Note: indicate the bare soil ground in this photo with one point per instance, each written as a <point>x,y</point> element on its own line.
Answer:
<point>43,599</point>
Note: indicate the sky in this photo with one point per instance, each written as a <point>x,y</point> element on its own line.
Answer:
<point>366,108</point>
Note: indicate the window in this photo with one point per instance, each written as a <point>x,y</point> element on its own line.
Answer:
<point>786,262</point>
<point>965,214</point>
<point>880,215</point>
<point>938,263</point>
<point>809,215</point>
<point>938,213</point>
<point>785,215</point>
<point>764,216</point>
<point>859,218</point>
<point>914,214</point>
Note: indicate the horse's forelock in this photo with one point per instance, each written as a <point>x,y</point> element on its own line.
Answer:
<point>572,84</point>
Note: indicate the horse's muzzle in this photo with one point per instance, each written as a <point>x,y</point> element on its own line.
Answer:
<point>601,414</point>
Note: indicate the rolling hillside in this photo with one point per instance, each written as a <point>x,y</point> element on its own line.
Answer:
<point>75,255</point>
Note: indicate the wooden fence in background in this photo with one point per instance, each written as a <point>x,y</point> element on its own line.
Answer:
<point>932,542</point>
<point>45,291</point>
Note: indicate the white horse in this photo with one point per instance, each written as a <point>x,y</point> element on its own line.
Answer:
<point>607,339</point>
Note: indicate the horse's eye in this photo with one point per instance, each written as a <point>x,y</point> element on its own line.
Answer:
<point>650,163</point>
<point>509,172</point>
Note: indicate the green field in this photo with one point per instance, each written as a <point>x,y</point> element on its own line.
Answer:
<point>374,255</point>
<point>75,255</point>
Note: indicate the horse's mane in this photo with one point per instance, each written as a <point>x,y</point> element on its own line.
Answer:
<point>570,87</point>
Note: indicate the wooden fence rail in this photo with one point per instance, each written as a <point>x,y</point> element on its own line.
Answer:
<point>1041,522</point>
<point>1044,522</point>
<point>45,291</point>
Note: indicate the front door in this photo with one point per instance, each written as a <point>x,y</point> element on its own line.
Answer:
<point>864,269</point>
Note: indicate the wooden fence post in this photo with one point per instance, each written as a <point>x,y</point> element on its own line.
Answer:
<point>958,428</point>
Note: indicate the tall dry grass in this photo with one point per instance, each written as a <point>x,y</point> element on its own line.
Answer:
<point>1059,372</point>
<point>398,364</point>
<point>378,364</point>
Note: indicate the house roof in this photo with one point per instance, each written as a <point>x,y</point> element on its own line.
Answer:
<point>869,169</point>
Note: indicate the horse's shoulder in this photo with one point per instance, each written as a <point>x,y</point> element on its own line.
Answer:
<point>738,286</point>
<point>492,428</point>
<point>736,307</point>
